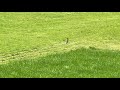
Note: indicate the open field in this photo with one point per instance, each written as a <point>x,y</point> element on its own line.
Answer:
<point>34,44</point>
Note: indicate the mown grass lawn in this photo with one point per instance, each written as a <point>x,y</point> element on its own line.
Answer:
<point>33,44</point>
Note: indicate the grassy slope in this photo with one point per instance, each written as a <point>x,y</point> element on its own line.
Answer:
<point>78,63</point>
<point>31,34</point>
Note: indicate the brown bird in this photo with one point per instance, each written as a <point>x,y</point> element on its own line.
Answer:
<point>67,40</point>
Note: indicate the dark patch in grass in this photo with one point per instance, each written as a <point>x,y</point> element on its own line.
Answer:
<point>2,60</point>
<point>39,37</point>
<point>92,48</point>
<point>35,49</point>
<point>14,54</point>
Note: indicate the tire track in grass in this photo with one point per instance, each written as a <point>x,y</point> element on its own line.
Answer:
<point>56,48</point>
<point>38,53</point>
<point>33,53</point>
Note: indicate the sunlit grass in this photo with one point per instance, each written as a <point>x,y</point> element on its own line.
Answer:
<point>33,44</point>
<point>26,31</point>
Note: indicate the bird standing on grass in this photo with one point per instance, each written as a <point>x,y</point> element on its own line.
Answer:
<point>67,40</point>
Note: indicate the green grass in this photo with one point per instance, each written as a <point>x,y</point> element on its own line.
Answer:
<point>80,63</point>
<point>21,32</point>
<point>29,39</point>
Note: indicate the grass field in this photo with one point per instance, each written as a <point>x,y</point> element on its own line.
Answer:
<point>80,63</point>
<point>34,44</point>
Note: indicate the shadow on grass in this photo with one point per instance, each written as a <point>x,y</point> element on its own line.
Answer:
<point>80,63</point>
